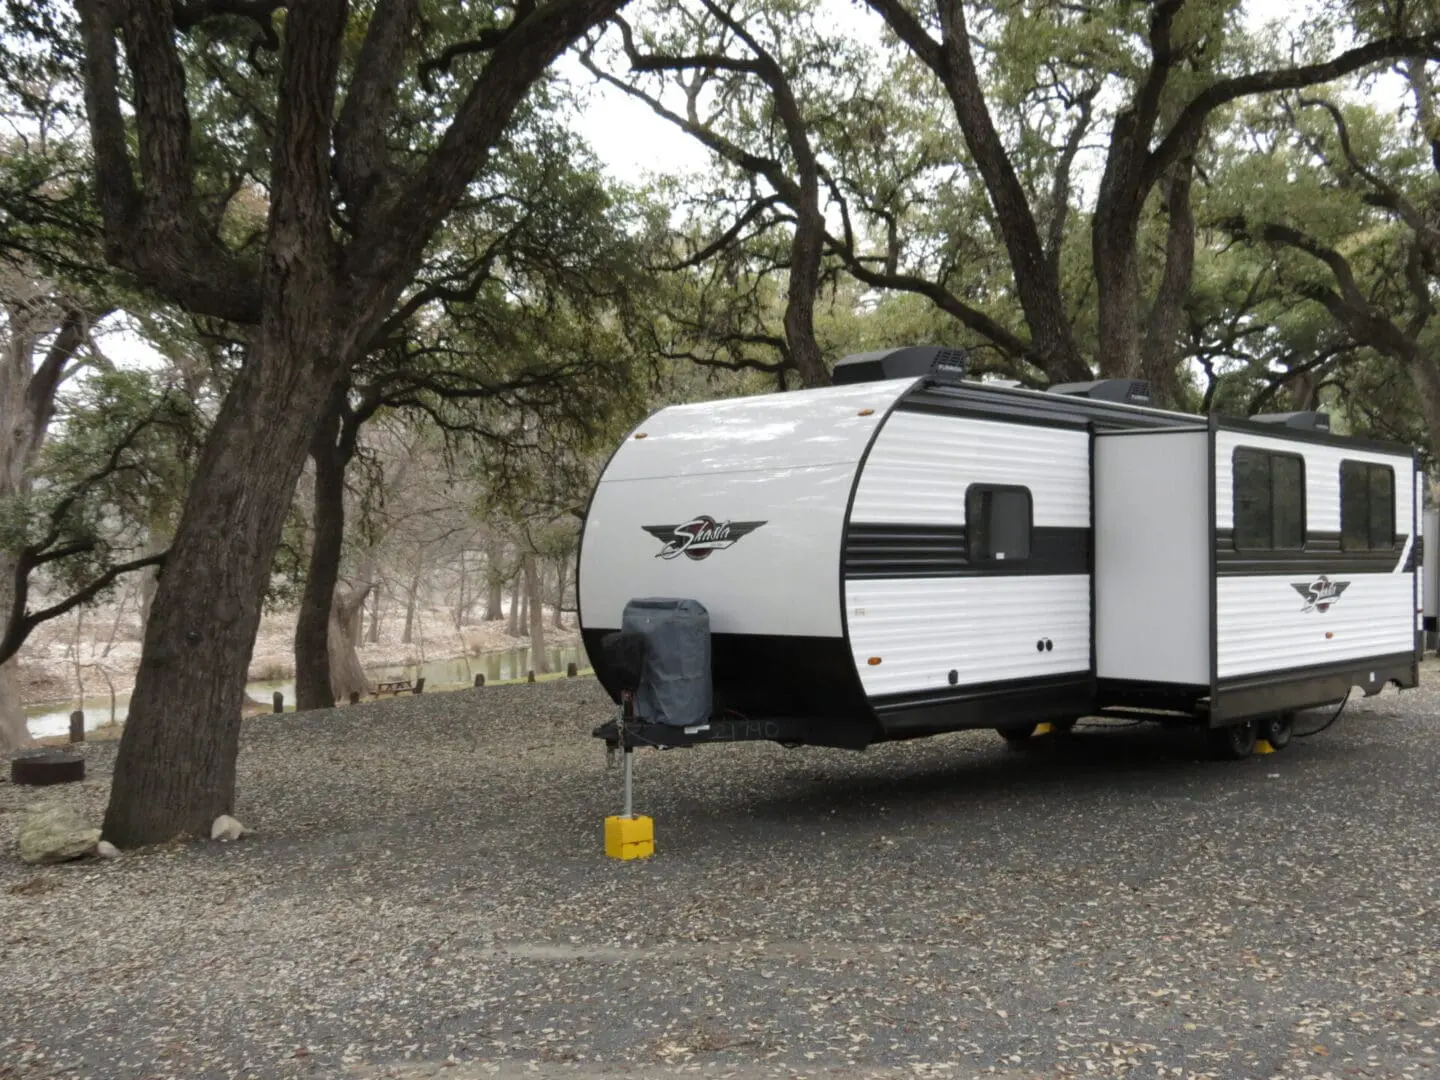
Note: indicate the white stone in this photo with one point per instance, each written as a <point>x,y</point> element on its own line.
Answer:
<point>55,833</point>
<point>227,828</point>
<point>106,850</point>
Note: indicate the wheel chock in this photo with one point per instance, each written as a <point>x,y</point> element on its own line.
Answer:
<point>1263,747</point>
<point>629,837</point>
<point>1044,729</point>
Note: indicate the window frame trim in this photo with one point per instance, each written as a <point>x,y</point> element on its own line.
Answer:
<point>990,560</point>
<point>1368,466</point>
<point>1304,499</point>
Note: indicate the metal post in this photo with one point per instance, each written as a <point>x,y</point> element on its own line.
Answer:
<point>629,756</point>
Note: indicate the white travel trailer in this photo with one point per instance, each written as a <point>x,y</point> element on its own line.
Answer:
<point>909,552</point>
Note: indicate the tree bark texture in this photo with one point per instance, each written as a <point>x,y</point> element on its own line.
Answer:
<point>14,729</point>
<point>411,598</point>
<point>539,661</point>
<point>372,636</point>
<point>312,625</point>
<point>1160,362</point>
<point>560,593</point>
<point>1036,282</point>
<point>347,674</point>
<point>313,307</point>
<point>27,404</point>
<point>512,625</point>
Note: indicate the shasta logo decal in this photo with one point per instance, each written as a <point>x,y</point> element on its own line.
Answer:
<point>699,536</point>
<point>1320,593</point>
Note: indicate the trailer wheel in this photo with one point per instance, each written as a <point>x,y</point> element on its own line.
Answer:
<point>1278,730</point>
<point>1234,742</point>
<point>1017,737</point>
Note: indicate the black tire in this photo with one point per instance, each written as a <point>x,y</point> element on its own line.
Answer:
<point>1063,727</point>
<point>1234,742</point>
<point>39,768</point>
<point>1017,737</point>
<point>1278,730</point>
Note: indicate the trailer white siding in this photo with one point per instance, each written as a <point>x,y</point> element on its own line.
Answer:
<point>1263,622</point>
<point>1263,626</point>
<point>986,629</point>
<point>787,460</point>
<point>1152,557</point>
<point>921,464</point>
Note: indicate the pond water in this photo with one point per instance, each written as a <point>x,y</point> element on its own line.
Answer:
<point>54,718</point>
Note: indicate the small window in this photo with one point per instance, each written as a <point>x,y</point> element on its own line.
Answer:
<point>1367,506</point>
<point>1269,500</point>
<point>997,523</point>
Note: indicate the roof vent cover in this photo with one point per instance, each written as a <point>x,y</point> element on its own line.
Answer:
<point>907,362</point>
<point>1127,391</point>
<point>1305,421</point>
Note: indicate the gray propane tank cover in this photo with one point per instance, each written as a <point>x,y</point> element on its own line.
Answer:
<point>45,766</point>
<point>675,687</point>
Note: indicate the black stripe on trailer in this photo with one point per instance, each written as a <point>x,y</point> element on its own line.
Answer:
<point>1038,408</point>
<point>1270,692</point>
<point>1009,703</point>
<point>1322,553</point>
<point>882,550</point>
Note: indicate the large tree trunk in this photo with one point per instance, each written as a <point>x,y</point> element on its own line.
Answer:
<point>409,636</point>
<point>317,302</point>
<point>1161,360</point>
<point>175,771</point>
<point>457,613</point>
<point>1037,285</point>
<point>560,564</point>
<point>27,402</point>
<point>512,626</point>
<point>347,674</point>
<point>373,636</point>
<point>539,662</point>
<point>312,626</point>
<point>14,731</point>
<point>494,580</point>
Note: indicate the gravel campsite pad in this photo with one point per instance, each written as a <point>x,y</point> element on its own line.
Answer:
<point>426,886</point>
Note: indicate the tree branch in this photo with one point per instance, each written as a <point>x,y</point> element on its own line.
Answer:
<point>21,625</point>
<point>361,158</point>
<point>1192,118</point>
<point>260,12</point>
<point>397,237</point>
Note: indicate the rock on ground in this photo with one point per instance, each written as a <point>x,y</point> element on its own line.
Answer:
<point>55,833</point>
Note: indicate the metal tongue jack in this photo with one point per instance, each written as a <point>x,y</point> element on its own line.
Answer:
<point>628,836</point>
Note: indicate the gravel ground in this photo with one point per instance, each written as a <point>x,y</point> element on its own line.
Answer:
<point>426,895</point>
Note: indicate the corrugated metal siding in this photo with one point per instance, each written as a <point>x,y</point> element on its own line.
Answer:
<point>921,464</point>
<point>985,629</point>
<point>1263,625</point>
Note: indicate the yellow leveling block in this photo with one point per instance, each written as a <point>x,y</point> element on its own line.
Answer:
<point>629,837</point>
<point>1262,746</point>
